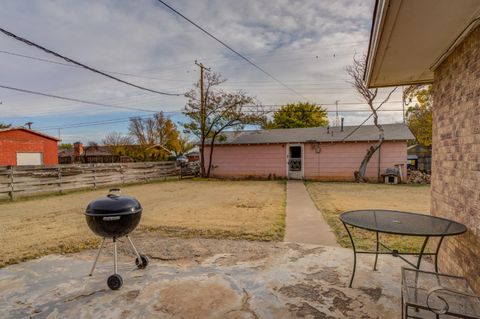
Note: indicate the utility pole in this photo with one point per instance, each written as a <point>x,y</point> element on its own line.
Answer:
<point>403,104</point>
<point>202,116</point>
<point>29,124</point>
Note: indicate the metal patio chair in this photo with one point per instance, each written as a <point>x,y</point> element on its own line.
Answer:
<point>427,294</point>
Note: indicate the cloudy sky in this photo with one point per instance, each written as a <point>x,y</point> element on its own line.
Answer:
<point>306,44</point>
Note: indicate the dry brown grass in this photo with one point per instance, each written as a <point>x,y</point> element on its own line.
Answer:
<point>218,209</point>
<point>334,198</point>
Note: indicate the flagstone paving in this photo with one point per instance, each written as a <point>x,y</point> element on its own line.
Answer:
<point>193,279</point>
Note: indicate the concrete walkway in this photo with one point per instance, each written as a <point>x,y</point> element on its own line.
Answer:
<point>304,223</point>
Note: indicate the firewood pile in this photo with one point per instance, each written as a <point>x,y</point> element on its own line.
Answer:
<point>417,177</point>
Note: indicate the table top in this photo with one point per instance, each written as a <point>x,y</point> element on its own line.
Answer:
<point>402,223</point>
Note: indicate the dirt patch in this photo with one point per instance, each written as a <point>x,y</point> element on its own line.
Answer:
<point>332,199</point>
<point>253,210</point>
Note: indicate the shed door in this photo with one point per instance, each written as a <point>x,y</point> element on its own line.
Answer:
<point>29,158</point>
<point>295,161</point>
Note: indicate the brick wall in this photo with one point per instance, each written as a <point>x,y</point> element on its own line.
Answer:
<point>456,155</point>
<point>15,141</point>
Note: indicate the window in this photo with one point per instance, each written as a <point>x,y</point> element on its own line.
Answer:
<point>295,152</point>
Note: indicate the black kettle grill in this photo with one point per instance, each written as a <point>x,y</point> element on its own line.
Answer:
<point>115,216</point>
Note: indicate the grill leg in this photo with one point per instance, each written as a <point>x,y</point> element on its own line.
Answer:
<point>96,258</point>
<point>114,255</point>
<point>134,249</point>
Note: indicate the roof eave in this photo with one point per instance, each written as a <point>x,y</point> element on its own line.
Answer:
<point>379,14</point>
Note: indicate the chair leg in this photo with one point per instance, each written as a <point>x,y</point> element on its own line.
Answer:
<point>96,258</point>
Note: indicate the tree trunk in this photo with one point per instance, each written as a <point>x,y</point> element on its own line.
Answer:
<point>210,156</point>
<point>202,157</point>
<point>360,174</point>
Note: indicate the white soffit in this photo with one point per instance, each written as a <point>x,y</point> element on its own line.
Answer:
<point>410,37</point>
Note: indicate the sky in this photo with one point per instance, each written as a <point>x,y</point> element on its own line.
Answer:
<point>305,44</point>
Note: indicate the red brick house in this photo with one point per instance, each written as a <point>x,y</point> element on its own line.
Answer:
<point>438,42</point>
<point>21,146</point>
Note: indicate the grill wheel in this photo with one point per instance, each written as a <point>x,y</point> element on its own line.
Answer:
<point>115,282</point>
<point>143,263</point>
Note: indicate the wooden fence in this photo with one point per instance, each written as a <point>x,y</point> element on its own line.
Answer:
<point>20,181</point>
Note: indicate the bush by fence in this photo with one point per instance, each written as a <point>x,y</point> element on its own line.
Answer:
<point>20,181</point>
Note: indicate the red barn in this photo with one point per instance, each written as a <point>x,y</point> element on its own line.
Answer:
<point>21,146</point>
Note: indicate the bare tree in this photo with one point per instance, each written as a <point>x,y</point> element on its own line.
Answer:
<point>117,143</point>
<point>117,139</point>
<point>219,111</point>
<point>356,71</point>
<point>157,130</point>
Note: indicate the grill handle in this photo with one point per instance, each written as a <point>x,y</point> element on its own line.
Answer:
<point>113,192</point>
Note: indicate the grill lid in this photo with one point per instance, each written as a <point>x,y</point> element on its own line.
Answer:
<point>113,205</point>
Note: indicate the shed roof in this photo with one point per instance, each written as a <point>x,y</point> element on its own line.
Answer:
<point>317,135</point>
<point>29,131</point>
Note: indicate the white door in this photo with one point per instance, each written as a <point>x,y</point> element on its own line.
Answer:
<point>29,158</point>
<point>295,161</point>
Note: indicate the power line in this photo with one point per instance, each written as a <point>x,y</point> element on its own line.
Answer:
<point>229,83</point>
<point>28,42</point>
<point>230,48</point>
<point>360,125</point>
<point>127,119</point>
<point>76,100</point>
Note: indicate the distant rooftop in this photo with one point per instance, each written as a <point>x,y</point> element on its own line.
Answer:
<point>393,132</point>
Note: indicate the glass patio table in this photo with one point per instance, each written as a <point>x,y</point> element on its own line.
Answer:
<point>399,223</point>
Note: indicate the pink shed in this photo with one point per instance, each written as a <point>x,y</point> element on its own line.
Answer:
<point>310,153</point>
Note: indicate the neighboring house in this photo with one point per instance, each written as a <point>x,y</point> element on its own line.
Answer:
<point>89,154</point>
<point>21,146</point>
<point>193,156</point>
<point>420,158</point>
<point>438,41</point>
<point>312,153</point>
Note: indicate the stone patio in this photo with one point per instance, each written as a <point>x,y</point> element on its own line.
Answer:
<point>189,278</point>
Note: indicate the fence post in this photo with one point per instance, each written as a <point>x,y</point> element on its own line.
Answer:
<point>145,172</point>
<point>59,176</point>
<point>11,193</point>
<point>94,166</point>
<point>122,172</point>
